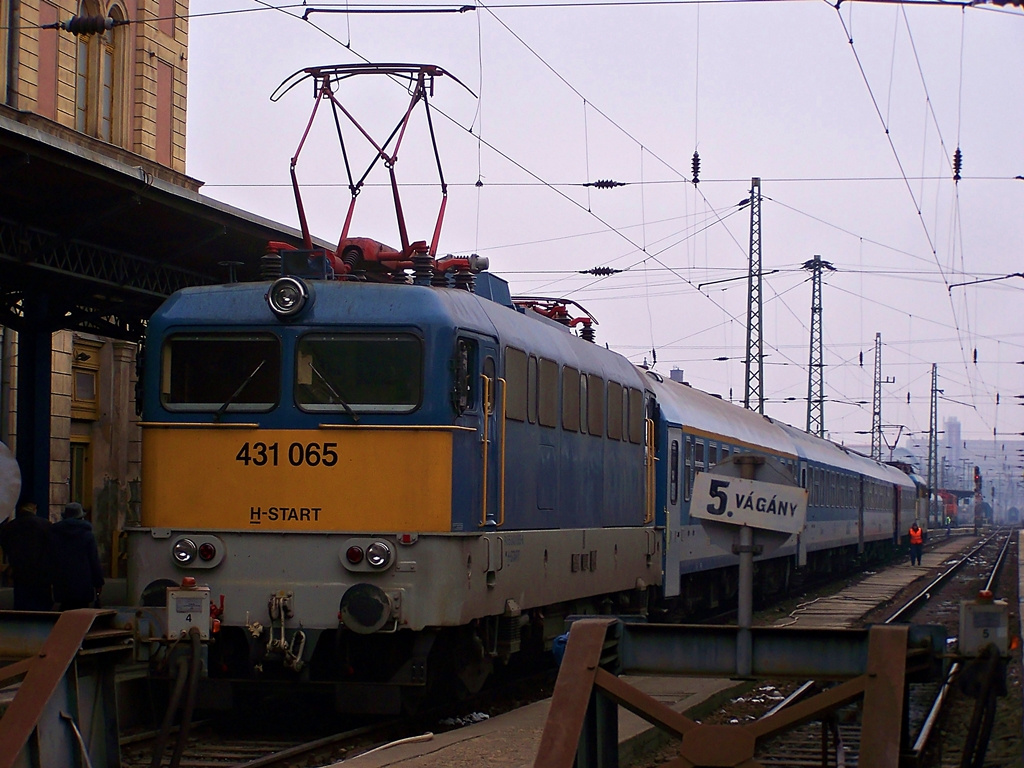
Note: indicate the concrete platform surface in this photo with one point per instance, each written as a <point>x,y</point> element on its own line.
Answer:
<point>511,740</point>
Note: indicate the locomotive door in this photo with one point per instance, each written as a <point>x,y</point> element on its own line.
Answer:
<point>485,413</point>
<point>492,439</point>
<point>674,481</point>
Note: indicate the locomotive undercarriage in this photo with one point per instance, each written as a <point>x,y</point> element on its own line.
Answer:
<point>400,671</point>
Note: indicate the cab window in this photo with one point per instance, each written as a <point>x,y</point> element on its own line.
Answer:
<point>379,373</point>
<point>220,372</point>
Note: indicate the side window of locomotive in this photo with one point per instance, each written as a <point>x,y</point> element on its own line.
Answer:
<point>614,411</point>
<point>531,390</point>
<point>547,415</point>
<point>220,372</point>
<point>673,476</point>
<point>570,399</point>
<point>595,405</point>
<point>367,372</point>
<point>516,384</point>
<point>464,370</point>
<point>637,426</point>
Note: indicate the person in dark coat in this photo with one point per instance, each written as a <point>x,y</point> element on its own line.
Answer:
<point>25,541</point>
<point>78,577</point>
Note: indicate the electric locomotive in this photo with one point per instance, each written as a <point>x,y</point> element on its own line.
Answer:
<point>388,485</point>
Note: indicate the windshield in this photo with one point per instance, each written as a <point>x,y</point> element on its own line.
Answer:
<point>361,373</point>
<point>220,372</point>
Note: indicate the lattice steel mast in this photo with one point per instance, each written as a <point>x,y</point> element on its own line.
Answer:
<point>754,375</point>
<point>933,446</point>
<point>816,365</point>
<point>876,403</point>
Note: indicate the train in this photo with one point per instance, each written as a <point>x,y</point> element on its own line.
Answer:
<point>390,477</point>
<point>394,477</point>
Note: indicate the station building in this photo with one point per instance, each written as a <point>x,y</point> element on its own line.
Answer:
<point>113,97</point>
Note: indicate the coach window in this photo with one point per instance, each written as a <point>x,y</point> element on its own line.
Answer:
<point>547,414</point>
<point>614,410</point>
<point>712,454</point>
<point>366,372</point>
<point>583,402</point>
<point>531,390</point>
<point>595,405</point>
<point>220,372</point>
<point>724,454</point>
<point>698,454</point>
<point>515,384</point>
<point>637,425</point>
<point>570,399</point>
<point>673,477</point>
<point>687,467</point>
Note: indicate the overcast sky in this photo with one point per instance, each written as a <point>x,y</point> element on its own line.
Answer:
<point>850,118</point>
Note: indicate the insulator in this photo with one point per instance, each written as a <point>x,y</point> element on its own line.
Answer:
<point>605,184</point>
<point>400,277</point>
<point>695,166</point>
<point>958,163</point>
<point>464,280</point>
<point>587,333</point>
<point>600,271</point>
<point>439,279</point>
<point>270,265</point>
<point>422,268</point>
<point>88,25</point>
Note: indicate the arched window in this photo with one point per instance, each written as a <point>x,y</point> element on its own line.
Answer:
<point>99,77</point>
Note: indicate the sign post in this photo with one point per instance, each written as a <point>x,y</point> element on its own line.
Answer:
<point>775,511</point>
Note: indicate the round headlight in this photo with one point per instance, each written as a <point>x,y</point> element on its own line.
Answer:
<point>287,296</point>
<point>378,554</point>
<point>184,551</point>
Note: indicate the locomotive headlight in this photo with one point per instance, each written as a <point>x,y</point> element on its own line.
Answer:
<point>184,551</point>
<point>287,296</point>
<point>207,551</point>
<point>378,554</point>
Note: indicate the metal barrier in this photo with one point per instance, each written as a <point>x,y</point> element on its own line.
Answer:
<point>64,711</point>
<point>874,664</point>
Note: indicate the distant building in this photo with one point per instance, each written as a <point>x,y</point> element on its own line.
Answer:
<point>119,93</point>
<point>951,441</point>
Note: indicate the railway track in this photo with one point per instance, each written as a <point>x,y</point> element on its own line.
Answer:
<point>941,718</point>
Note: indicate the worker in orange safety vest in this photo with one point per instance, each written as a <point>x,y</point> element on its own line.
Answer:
<point>916,543</point>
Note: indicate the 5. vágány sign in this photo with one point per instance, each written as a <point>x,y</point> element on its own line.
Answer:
<point>736,501</point>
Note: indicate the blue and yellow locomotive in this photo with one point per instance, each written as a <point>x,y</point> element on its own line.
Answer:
<point>370,476</point>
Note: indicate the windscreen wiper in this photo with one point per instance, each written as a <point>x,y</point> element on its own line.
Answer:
<point>234,395</point>
<point>334,393</point>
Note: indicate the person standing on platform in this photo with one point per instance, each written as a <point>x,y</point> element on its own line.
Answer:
<point>25,541</point>
<point>916,543</point>
<point>78,577</point>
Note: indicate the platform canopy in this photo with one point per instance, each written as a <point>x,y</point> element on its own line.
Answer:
<point>93,238</point>
<point>99,237</point>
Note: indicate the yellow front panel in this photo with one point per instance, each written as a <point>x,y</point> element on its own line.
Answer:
<point>361,479</point>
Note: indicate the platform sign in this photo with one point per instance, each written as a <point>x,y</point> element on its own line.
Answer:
<point>735,501</point>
